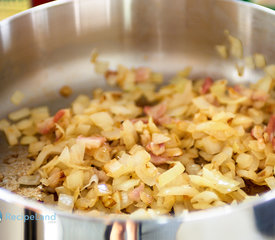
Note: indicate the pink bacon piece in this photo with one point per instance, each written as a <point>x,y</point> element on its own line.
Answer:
<point>206,85</point>
<point>156,149</point>
<point>46,126</point>
<point>270,128</point>
<point>135,194</point>
<point>159,160</point>
<point>142,74</point>
<point>156,111</point>
<point>238,88</point>
<point>92,142</point>
<point>59,115</point>
<point>165,120</point>
<point>259,96</point>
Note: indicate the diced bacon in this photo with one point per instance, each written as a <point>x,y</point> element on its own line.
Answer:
<point>243,91</point>
<point>142,74</point>
<point>206,85</point>
<point>59,115</point>
<point>259,96</point>
<point>247,92</point>
<point>46,126</point>
<point>233,93</point>
<point>92,142</point>
<point>156,111</point>
<point>165,120</point>
<point>156,149</point>
<point>159,160</point>
<point>238,88</point>
<point>135,194</point>
<point>271,127</point>
<point>215,102</point>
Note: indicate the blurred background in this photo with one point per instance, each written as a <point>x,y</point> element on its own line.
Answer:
<point>11,7</point>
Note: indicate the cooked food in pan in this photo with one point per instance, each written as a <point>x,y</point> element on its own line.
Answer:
<point>144,150</point>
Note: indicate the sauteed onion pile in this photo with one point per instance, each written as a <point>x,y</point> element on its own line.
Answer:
<point>188,145</point>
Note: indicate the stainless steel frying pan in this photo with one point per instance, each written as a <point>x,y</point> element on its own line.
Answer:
<point>44,48</point>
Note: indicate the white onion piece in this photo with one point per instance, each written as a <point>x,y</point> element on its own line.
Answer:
<point>32,180</point>
<point>66,202</point>
<point>93,178</point>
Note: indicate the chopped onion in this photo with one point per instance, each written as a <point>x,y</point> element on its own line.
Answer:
<point>74,180</point>
<point>43,155</point>
<point>221,49</point>
<point>236,47</point>
<point>147,173</point>
<point>3,124</point>
<point>270,182</point>
<point>115,134</point>
<point>188,145</point>
<point>24,124</point>
<point>91,142</point>
<point>17,97</point>
<point>12,134</point>
<point>215,180</point>
<point>103,120</point>
<point>184,190</point>
<point>240,70</point>
<point>259,60</point>
<point>32,180</point>
<point>94,178</point>
<point>101,67</point>
<point>125,186</point>
<point>249,62</point>
<point>170,174</point>
<point>39,114</point>
<point>103,190</point>
<point>270,70</point>
<point>158,138</point>
<point>244,161</point>
<point>19,114</point>
<point>27,140</point>
<point>65,202</point>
